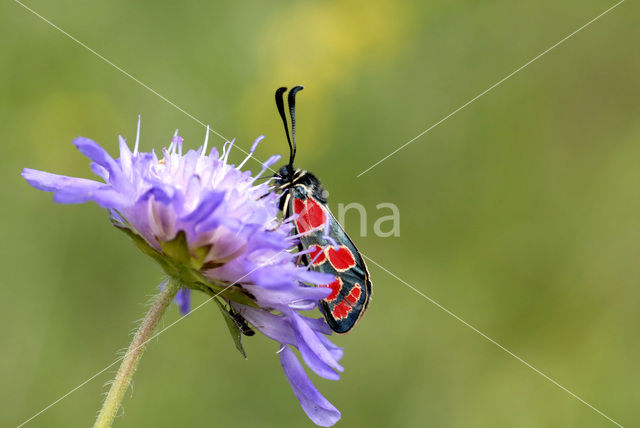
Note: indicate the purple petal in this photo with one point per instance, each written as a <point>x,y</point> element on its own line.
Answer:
<point>207,206</point>
<point>303,305</point>
<point>93,151</point>
<point>277,276</point>
<point>190,160</point>
<point>161,194</point>
<point>109,198</point>
<point>314,277</point>
<point>262,241</point>
<point>183,300</point>
<point>310,338</point>
<point>53,182</point>
<point>100,171</point>
<point>125,155</point>
<point>336,351</point>
<point>318,408</point>
<point>194,188</point>
<point>106,198</point>
<point>314,362</point>
<point>271,297</point>
<point>71,190</point>
<point>66,197</point>
<point>318,324</point>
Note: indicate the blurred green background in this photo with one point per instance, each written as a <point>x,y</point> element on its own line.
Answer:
<point>521,213</point>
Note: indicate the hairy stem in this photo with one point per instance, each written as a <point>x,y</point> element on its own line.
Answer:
<point>131,358</point>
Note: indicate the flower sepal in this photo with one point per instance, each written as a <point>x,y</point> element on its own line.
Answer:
<point>232,325</point>
<point>181,264</point>
<point>177,249</point>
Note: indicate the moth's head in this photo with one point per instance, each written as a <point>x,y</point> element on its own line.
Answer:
<point>285,173</point>
<point>284,177</point>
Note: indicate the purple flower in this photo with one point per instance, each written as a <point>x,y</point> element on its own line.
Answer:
<point>214,228</point>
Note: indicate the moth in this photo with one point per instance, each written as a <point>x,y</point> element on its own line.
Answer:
<point>324,245</point>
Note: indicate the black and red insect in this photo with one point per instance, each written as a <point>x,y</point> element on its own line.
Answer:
<point>327,247</point>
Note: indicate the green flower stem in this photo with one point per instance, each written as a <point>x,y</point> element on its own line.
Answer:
<point>131,358</point>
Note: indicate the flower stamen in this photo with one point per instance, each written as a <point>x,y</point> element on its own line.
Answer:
<point>135,148</point>
<point>203,153</point>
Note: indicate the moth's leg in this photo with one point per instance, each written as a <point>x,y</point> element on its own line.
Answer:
<point>284,216</point>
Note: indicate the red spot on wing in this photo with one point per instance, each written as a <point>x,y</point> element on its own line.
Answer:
<point>341,310</point>
<point>335,287</point>
<point>354,294</point>
<point>298,205</point>
<point>310,214</point>
<point>341,259</point>
<point>317,255</point>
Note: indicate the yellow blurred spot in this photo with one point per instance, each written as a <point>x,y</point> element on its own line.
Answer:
<point>323,45</point>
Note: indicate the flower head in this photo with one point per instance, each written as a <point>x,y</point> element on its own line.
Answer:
<point>212,227</point>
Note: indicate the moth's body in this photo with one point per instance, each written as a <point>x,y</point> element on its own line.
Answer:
<point>287,178</point>
<point>331,249</point>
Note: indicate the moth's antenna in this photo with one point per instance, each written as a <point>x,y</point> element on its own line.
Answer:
<point>280,104</point>
<point>292,112</point>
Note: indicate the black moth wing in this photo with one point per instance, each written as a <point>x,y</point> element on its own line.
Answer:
<point>351,291</point>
